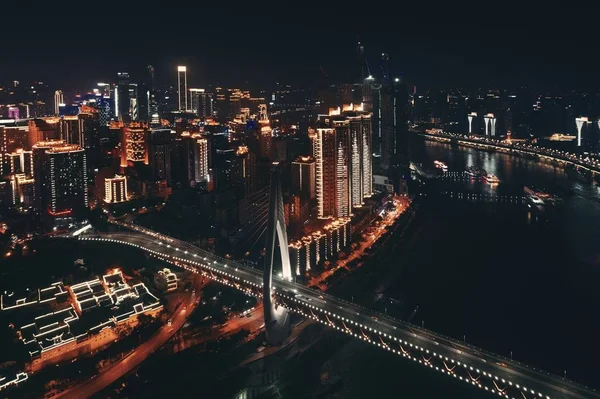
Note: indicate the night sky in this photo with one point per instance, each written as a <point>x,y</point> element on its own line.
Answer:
<point>503,45</point>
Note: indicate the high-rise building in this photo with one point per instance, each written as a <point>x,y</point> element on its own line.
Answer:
<point>324,152</point>
<point>18,162</point>
<point>66,174</point>
<point>153,102</point>
<point>59,101</point>
<point>121,97</point>
<point>41,186</point>
<point>115,189</point>
<point>361,173</point>
<point>182,91</point>
<point>22,189</point>
<point>44,129</point>
<point>394,130</point>
<point>134,145</point>
<point>343,164</point>
<point>60,174</point>
<point>159,154</point>
<point>201,103</point>
<point>304,178</point>
<point>201,160</point>
<point>13,138</point>
<point>244,179</point>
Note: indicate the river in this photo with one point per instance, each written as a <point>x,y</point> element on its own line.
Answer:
<point>497,276</point>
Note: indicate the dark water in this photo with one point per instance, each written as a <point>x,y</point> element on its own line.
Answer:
<point>496,275</point>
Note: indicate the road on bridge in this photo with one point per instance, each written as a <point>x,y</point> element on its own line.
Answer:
<point>553,386</point>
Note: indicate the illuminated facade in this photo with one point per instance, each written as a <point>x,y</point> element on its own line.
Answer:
<point>182,90</point>
<point>67,180</point>
<point>324,153</point>
<point>134,145</point>
<point>342,154</point>
<point>360,156</point>
<point>40,172</point>
<point>20,161</point>
<point>22,189</point>
<point>44,129</point>
<point>115,189</point>
<point>201,160</point>
<point>312,250</point>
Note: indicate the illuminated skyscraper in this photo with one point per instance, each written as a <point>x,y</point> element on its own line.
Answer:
<point>58,101</point>
<point>201,160</point>
<point>324,152</point>
<point>182,91</point>
<point>115,189</point>
<point>134,145</point>
<point>66,174</point>
<point>40,172</point>
<point>361,174</point>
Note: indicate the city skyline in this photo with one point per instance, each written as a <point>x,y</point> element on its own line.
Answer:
<point>288,191</point>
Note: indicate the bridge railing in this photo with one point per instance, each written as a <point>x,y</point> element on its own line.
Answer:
<point>209,255</point>
<point>381,316</point>
<point>392,320</point>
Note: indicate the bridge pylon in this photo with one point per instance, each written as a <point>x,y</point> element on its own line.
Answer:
<point>277,257</point>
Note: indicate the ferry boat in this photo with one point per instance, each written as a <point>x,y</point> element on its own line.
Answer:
<point>492,179</point>
<point>440,165</point>
<point>475,172</point>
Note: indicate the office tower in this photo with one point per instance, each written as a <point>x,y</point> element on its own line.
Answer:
<point>324,153</point>
<point>66,175</point>
<point>201,103</point>
<point>58,101</point>
<point>40,172</point>
<point>194,99</point>
<point>182,92</point>
<point>304,178</point>
<point>44,129</point>
<point>201,173</point>
<point>159,154</point>
<point>115,189</point>
<point>134,145</point>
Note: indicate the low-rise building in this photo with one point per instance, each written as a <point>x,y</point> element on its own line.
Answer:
<point>87,322</point>
<point>165,280</point>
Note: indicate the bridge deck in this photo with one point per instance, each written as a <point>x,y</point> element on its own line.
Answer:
<point>376,328</point>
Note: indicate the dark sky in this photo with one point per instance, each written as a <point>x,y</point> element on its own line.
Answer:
<point>482,45</point>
